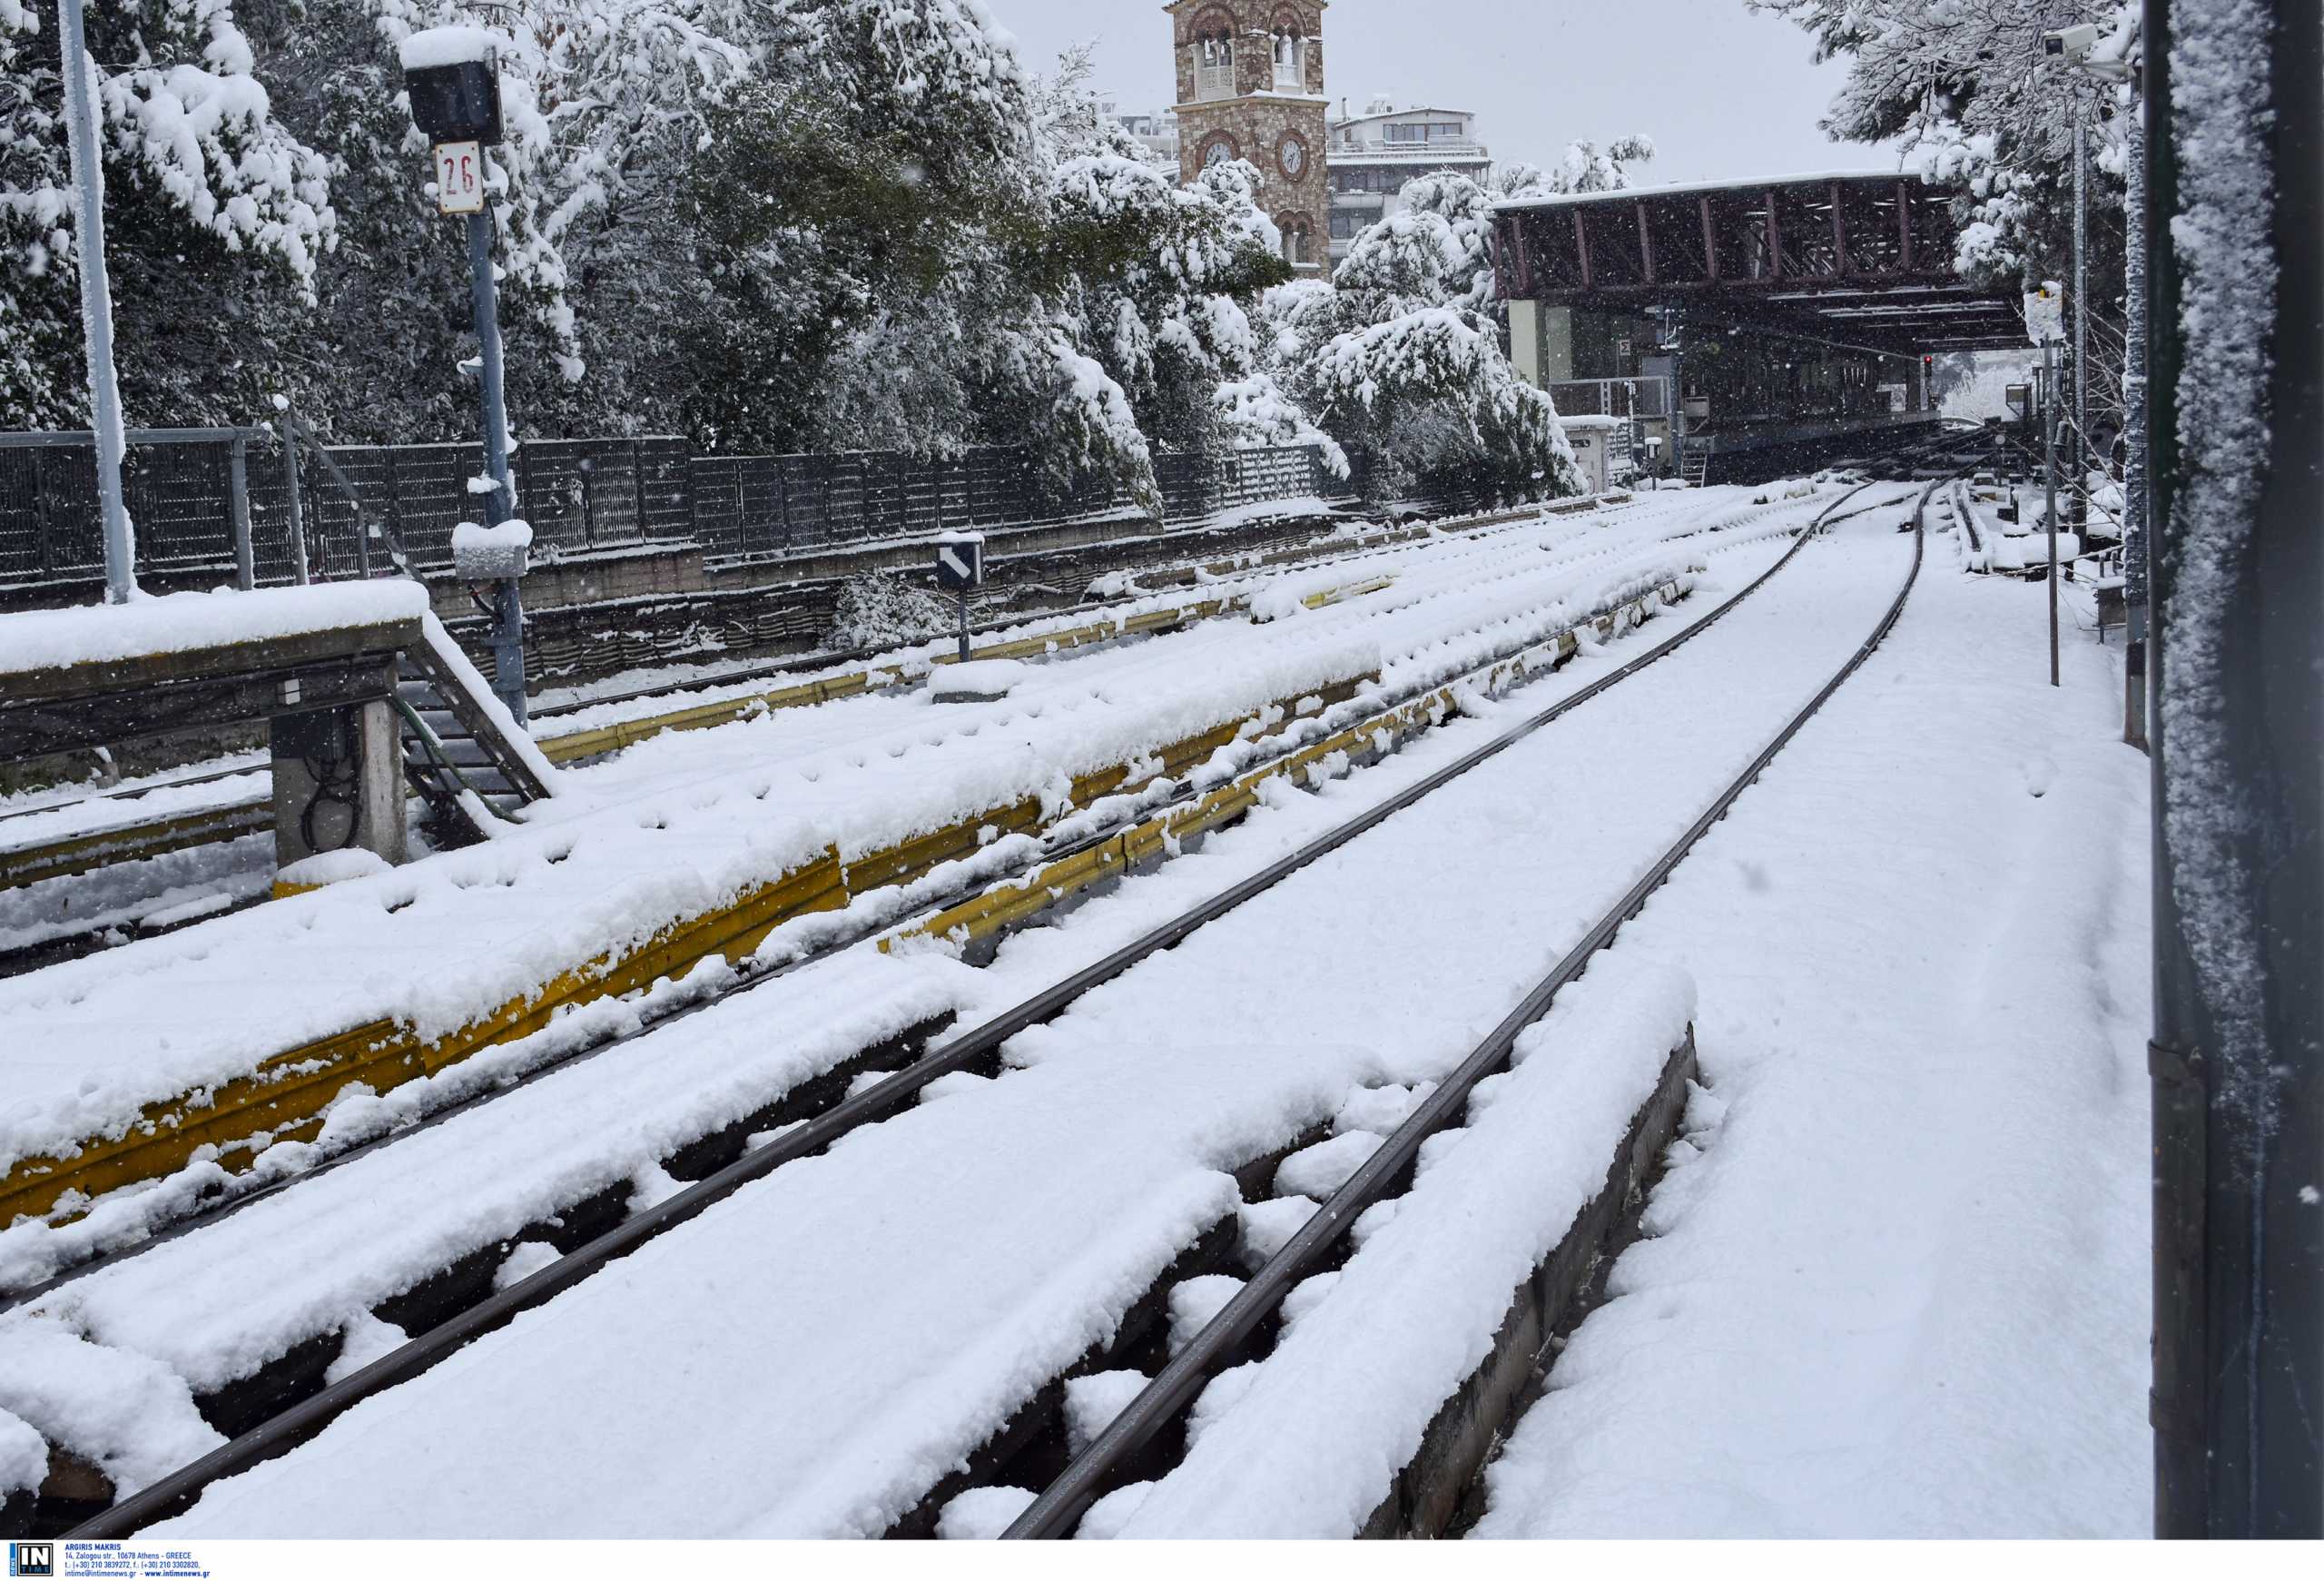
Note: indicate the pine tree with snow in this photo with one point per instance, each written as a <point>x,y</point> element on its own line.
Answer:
<point>211,206</point>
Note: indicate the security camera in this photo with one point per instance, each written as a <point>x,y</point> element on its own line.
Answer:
<point>2071,43</point>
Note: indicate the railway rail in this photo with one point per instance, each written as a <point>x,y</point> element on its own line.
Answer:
<point>385,1052</point>
<point>738,1163</point>
<point>128,839</point>
<point>999,898</point>
<point>1388,1173</point>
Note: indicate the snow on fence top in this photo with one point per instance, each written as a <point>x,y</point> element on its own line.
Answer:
<point>176,622</point>
<point>1684,189</point>
<point>448,46</point>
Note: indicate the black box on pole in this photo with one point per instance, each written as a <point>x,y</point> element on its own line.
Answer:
<point>458,103</point>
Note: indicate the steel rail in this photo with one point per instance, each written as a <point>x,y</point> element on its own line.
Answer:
<point>840,658</point>
<point>1062,1504</point>
<point>833,658</point>
<point>981,1046</point>
<point>746,978</point>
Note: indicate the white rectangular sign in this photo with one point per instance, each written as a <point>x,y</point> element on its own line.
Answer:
<point>459,178</point>
<point>2045,312</point>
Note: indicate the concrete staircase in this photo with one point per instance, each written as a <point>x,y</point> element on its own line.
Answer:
<point>461,752</point>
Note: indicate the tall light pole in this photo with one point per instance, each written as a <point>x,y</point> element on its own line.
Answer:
<point>2050,404</point>
<point>2079,502</point>
<point>2045,323</point>
<point>2078,47</point>
<point>97,300</point>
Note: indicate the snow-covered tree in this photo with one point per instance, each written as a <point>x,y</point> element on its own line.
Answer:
<point>873,216</point>
<point>1585,168</point>
<point>1964,90</point>
<point>203,185</point>
<point>1402,354</point>
<point>1433,397</point>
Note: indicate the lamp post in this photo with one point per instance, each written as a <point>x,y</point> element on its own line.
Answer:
<point>2078,503</point>
<point>2050,485</point>
<point>2044,323</point>
<point>2076,47</point>
<point>97,300</point>
<point>451,75</point>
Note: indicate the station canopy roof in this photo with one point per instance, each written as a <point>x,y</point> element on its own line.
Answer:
<point>1856,257</point>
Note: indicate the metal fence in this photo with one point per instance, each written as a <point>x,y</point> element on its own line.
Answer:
<point>1645,396</point>
<point>189,490</point>
<point>195,495</point>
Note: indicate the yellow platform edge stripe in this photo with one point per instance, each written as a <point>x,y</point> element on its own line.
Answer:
<point>81,854</point>
<point>285,1094</point>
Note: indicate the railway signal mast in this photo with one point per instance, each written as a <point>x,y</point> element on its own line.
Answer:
<point>452,77</point>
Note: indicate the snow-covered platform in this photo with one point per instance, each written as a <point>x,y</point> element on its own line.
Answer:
<point>99,677</point>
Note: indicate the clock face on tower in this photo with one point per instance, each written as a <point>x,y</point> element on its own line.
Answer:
<point>1217,151</point>
<point>1291,153</point>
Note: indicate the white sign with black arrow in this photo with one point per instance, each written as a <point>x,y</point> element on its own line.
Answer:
<point>960,566</point>
<point>959,562</point>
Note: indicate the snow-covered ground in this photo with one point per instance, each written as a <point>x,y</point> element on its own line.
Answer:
<point>1899,1285</point>
<point>682,824</point>
<point>1895,1276</point>
<point>843,1397</point>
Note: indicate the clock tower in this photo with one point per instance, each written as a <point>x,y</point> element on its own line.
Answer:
<point>1251,87</point>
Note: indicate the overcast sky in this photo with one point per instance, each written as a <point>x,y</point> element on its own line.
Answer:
<point>1723,91</point>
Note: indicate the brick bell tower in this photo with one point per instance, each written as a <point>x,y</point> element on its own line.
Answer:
<point>1251,87</point>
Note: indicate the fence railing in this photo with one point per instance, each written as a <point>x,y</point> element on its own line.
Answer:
<point>195,495</point>
<point>1648,396</point>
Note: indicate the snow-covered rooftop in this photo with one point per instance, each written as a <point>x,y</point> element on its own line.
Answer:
<point>100,634</point>
<point>1407,110</point>
<point>1679,189</point>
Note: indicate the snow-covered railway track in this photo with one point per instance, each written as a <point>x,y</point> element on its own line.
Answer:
<point>722,866</point>
<point>1092,852</point>
<point>66,845</point>
<point>1266,1453</point>
<point>991,895</point>
<point>960,1059</point>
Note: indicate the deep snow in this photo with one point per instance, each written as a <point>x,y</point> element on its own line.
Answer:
<point>1901,1288</point>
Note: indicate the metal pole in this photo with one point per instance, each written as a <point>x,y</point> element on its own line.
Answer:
<point>238,501</point>
<point>964,628</point>
<point>2237,573</point>
<point>97,300</point>
<point>298,514</point>
<point>2078,501</point>
<point>2135,431</point>
<point>508,609</point>
<point>2050,404</point>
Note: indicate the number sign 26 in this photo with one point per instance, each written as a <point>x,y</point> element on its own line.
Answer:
<point>459,178</point>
